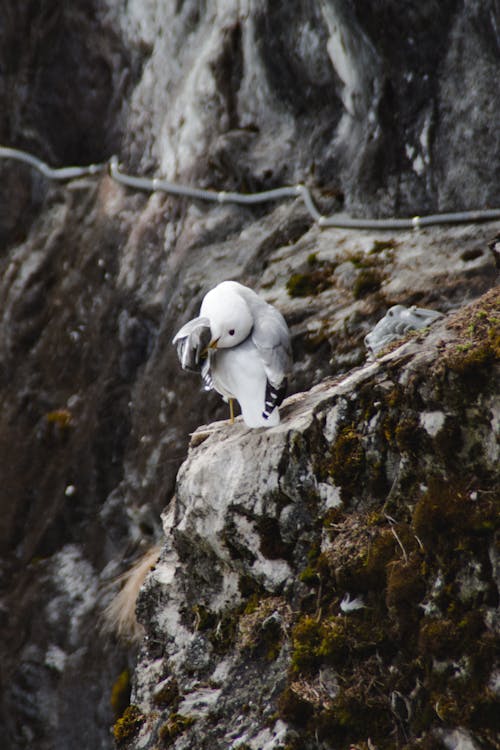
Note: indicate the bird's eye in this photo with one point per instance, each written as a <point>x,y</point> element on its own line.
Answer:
<point>231,332</point>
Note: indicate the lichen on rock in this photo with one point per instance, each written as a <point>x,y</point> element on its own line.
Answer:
<point>417,653</point>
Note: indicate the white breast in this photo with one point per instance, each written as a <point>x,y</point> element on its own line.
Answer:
<point>239,373</point>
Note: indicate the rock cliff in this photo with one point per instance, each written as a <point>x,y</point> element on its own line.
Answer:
<point>334,580</point>
<point>380,109</point>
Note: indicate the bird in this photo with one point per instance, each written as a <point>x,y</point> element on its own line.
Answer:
<point>397,321</point>
<point>240,344</point>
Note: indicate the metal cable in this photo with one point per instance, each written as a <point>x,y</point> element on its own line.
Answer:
<point>65,173</point>
<point>302,191</point>
<point>214,196</point>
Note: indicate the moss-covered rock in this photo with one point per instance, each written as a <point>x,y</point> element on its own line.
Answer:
<point>176,725</point>
<point>364,570</point>
<point>128,725</point>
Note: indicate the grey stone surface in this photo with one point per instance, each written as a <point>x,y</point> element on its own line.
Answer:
<point>252,511</point>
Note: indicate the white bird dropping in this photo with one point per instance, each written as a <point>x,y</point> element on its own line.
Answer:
<point>241,346</point>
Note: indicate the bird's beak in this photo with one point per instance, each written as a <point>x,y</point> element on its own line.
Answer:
<point>212,345</point>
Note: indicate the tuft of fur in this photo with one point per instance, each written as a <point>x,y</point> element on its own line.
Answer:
<point>119,616</point>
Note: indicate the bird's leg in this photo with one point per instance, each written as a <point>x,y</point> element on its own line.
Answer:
<point>231,411</point>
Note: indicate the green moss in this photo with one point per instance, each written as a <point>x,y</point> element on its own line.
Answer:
<point>294,708</point>
<point>458,705</point>
<point>349,715</point>
<point>376,518</point>
<point>309,284</point>
<point>389,424</point>
<point>252,604</point>
<point>261,631</point>
<point>361,260</point>
<point>332,518</point>
<point>311,574</point>
<point>371,657</point>
<point>408,434</point>
<point>380,245</point>
<point>313,340</point>
<point>450,639</point>
<point>420,637</point>
<point>306,637</point>
<point>393,648</point>
<point>220,627</point>
<point>168,695</point>
<point>440,511</point>
<point>481,341</point>
<point>336,641</point>
<point>446,511</point>
<point>472,356</point>
<point>368,280</point>
<point>223,635</point>
<point>365,569</point>
<point>380,553</point>
<point>128,725</point>
<point>395,397</point>
<point>346,460</point>
<point>439,638</point>
<point>347,574</point>
<point>177,724</point>
<point>406,587</point>
<point>401,429</point>
<point>120,693</point>
<point>318,277</point>
<point>334,646</point>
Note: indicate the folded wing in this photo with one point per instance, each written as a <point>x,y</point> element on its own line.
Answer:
<point>272,340</point>
<point>191,342</point>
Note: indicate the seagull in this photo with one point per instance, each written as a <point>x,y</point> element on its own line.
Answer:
<point>396,323</point>
<point>241,346</point>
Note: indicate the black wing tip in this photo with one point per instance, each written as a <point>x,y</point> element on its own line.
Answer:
<point>274,397</point>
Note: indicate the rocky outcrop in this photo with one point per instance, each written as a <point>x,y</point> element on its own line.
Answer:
<point>334,580</point>
<point>380,110</point>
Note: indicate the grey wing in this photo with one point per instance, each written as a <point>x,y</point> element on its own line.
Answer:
<point>272,340</point>
<point>191,342</point>
<point>421,317</point>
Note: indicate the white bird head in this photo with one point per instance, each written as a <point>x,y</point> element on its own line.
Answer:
<point>230,318</point>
